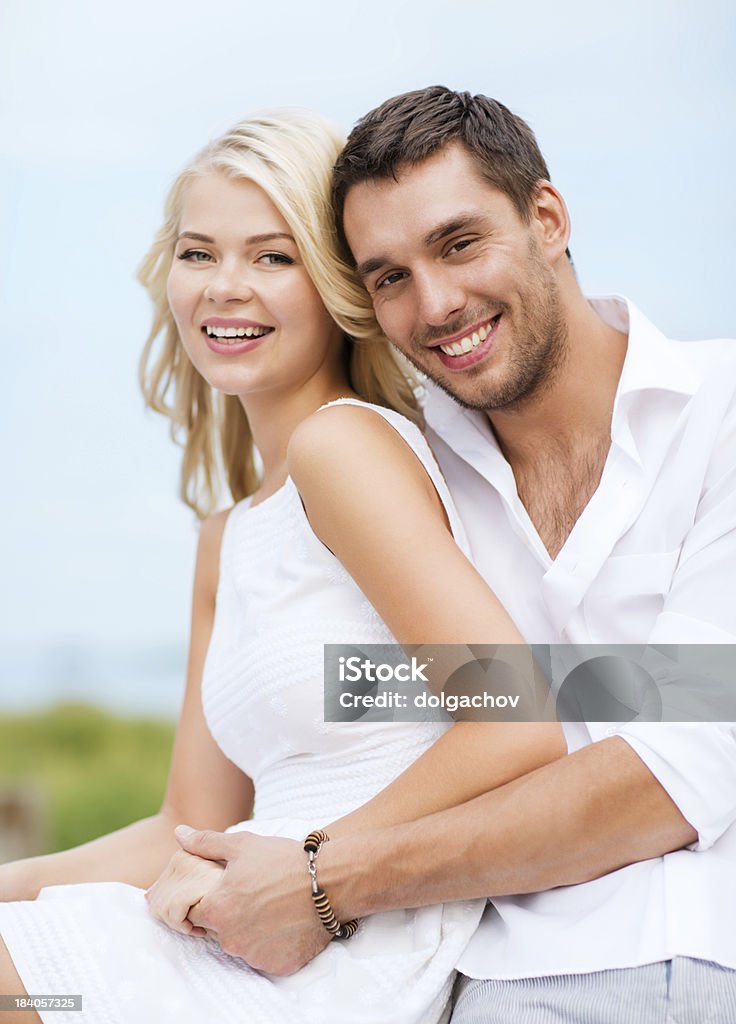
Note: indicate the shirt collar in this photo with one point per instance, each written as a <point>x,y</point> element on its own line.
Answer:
<point>653,362</point>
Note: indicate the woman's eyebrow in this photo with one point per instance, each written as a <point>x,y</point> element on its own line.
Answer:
<point>252,240</point>
<point>269,237</point>
<point>197,237</point>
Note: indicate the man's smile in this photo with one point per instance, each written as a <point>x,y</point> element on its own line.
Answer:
<point>468,347</point>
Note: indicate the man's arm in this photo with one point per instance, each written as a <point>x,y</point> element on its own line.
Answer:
<point>567,822</point>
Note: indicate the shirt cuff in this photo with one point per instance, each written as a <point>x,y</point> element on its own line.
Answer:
<point>694,763</point>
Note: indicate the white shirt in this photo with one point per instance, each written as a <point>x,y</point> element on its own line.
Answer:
<point>652,559</point>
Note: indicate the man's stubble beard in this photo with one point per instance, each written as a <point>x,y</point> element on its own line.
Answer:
<point>534,357</point>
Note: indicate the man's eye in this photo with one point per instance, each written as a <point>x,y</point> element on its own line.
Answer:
<point>459,246</point>
<point>275,259</point>
<point>194,256</point>
<point>390,279</point>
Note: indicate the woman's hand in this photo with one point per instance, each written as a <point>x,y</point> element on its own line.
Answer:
<point>182,884</point>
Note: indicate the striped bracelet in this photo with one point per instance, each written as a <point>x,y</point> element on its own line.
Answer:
<point>312,845</point>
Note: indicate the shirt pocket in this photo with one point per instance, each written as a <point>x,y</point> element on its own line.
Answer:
<point>624,600</point>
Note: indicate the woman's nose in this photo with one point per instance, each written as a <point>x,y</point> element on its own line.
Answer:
<point>228,283</point>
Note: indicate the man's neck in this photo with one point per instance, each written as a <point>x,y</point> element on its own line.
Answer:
<point>558,441</point>
<point>574,409</point>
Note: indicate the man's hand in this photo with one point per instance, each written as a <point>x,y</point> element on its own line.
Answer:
<point>261,910</point>
<point>182,884</point>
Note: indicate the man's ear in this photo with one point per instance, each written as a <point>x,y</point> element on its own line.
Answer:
<point>550,216</point>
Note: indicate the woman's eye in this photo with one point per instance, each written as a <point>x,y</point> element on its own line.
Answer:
<point>275,259</point>
<point>195,256</point>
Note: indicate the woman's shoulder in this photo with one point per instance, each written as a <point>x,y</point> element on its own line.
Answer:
<point>352,455</point>
<point>355,452</point>
<point>349,429</point>
<point>366,408</point>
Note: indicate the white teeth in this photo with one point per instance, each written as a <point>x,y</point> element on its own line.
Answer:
<point>468,343</point>
<point>235,332</point>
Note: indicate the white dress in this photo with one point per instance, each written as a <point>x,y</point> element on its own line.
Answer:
<point>281,596</point>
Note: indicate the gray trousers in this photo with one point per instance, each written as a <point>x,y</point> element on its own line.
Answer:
<point>680,991</point>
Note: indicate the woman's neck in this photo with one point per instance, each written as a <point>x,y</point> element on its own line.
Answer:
<point>273,417</point>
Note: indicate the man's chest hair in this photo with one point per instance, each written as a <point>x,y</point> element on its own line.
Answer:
<point>556,487</point>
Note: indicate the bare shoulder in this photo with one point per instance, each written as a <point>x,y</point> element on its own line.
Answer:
<point>350,436</point>
<point>350,464</point>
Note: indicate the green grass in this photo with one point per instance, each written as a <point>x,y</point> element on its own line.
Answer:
<point>97,771</point>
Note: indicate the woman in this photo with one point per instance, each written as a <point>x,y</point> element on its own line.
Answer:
<point>252,306</point>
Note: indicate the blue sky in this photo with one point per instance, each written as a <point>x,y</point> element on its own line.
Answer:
<point>102,104</point>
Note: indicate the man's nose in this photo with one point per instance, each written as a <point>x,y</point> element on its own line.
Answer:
<point>228,282</point>
<point>439,297</point>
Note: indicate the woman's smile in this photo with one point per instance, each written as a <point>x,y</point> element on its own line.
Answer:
<point>231,336</point>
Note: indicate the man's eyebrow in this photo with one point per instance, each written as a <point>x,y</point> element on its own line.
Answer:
<point>269,236</point>
<point>460,222</point>
<point>370,266</point>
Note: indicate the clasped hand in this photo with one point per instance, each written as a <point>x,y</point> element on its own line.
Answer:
<point>185,880</point>
<point>251,893</point>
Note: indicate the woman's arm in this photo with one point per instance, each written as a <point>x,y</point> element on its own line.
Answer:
<point>204,787</point>
<point>468,760</point>
<point>371,502</point>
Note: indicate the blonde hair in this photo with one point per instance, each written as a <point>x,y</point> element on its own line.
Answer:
<point>289,154</point>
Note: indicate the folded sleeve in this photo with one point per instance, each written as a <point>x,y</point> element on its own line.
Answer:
<point>694,763</point>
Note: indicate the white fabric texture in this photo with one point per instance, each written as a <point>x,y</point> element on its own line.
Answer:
<point>651,560</point>
<point>281,596</point>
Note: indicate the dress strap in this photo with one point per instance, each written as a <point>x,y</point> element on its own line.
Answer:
<point>416,440</point>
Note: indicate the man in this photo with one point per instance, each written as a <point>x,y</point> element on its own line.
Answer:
<point>592,461</point>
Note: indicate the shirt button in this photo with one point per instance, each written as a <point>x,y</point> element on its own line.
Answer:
<point>611,731</point>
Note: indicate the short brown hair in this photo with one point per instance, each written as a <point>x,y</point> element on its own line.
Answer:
<point>409,128</point>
